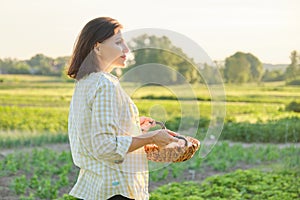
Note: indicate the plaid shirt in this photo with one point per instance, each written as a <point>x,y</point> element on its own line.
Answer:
<point>102,121</point>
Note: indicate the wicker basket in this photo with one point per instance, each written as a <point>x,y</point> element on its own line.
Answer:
<point>173,154</point>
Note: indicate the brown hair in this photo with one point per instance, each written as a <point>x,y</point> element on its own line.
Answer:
<point>96,30</point>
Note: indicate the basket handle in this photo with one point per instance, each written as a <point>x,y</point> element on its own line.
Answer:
<point>183,138</point>
<point>163,126</point>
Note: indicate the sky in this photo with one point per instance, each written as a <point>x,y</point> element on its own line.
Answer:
<point>269,29</point>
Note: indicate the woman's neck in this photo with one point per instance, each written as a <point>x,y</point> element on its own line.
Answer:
<point>106,67</point>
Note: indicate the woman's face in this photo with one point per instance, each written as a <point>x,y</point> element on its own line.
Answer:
<point>112,52</point>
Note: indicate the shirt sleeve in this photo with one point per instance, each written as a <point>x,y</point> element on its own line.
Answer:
<point>106,143</point>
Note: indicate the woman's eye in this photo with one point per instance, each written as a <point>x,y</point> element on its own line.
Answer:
<point>119,42</point>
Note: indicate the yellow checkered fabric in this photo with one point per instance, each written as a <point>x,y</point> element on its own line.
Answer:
<point>102,121</point>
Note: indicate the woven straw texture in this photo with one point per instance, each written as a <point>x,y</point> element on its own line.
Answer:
<point>173,154</point>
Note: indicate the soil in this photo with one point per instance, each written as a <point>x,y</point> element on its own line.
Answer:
<point>6,193</point>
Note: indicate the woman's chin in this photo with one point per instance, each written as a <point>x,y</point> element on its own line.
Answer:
<point>121,65</point>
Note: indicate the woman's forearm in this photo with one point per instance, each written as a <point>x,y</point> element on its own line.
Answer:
<point>140,141</point>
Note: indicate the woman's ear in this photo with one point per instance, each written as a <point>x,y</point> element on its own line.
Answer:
<point>97,48</point>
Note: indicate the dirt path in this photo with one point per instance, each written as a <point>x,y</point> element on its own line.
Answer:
<point>54,147</point>
<point>66,147</point>
<point>279,145</point>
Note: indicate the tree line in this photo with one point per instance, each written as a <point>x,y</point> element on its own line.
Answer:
<point>238,68</point>
<point>37,65</point>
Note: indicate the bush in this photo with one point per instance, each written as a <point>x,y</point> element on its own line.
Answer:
<point>294,82</point>
<point>277,131</point>
<point>247,184</point>
<point>293,106</point>
<point>185,123</point>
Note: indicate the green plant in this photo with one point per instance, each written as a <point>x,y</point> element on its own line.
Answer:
<point>20,184</point>
<point>241,184</point>
<point>39,174</point>
<point>293,82</point>
<point>293,106</point>
<point>276,131</point>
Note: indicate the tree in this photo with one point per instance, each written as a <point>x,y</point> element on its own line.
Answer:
<point>293,70</point>
<point>41,64</point>
<point>38,64</point>
<point>273,75</point>
<point>237,69</point>
<point>13,66</point>
<point>20,67</point>
<point>242,67</point>
<point>256,68</point>
<point>209,74</point>
<point>159,51</point>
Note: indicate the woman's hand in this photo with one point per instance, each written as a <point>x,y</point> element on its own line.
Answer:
<point>146,123</point>
<point>160,137</point>
<point>164,137</point>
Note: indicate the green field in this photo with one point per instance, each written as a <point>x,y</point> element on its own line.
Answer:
<point>34,113</point>
<point>34,109</point>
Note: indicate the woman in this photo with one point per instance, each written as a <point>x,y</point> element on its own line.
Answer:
<point>105,131</point>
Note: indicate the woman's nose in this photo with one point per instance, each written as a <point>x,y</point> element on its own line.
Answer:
<point>125,48</point>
